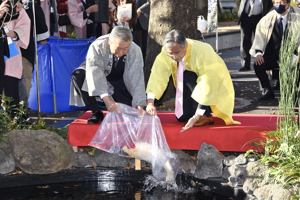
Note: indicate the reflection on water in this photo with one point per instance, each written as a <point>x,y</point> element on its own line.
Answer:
<point>144,188</point>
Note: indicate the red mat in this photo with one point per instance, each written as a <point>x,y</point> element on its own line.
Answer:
<point>225,138</point>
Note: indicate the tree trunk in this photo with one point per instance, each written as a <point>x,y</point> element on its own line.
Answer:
<point>166,15</point>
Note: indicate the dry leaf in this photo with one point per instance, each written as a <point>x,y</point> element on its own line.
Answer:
<point>94,165</point>
<point>44,187</point>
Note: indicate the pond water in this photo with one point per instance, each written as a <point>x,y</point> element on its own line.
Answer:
<point>130,187</point>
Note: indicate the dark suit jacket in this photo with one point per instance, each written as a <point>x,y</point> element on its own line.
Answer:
<point>144,7</point>
<point>266,7</point>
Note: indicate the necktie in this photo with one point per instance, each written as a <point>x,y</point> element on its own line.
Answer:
<point>179,91</point>
<point>280,25</point>
<point>251,7</point>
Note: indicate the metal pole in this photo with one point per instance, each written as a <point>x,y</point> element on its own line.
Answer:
<point>217,45</point>
<point>36,59</point>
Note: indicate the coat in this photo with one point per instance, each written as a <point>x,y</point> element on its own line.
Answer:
<point>265,27</point>
<point>21,25</point>
<point>75,10</point>
<point>98,66</point>
<point>214,85</point>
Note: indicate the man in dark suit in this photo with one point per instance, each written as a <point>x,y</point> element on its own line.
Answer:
<point>250,12</point>
<point>267,42</point>
<point>140,31</point>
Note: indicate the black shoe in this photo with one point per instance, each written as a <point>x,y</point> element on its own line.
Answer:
<point>276,85</point>
<point>243,69</point>
<point>95,118</point>
<point>267,94</point>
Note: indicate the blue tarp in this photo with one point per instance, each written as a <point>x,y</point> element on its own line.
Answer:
<point>57,59</point>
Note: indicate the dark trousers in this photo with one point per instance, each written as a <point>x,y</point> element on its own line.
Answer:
<point>248,26</point>
<point>120,95</point>
<point>11,89</point>
<point>140,38</point>
<point>2,65</point>
<point>260,71</point>
<point>189,104</point>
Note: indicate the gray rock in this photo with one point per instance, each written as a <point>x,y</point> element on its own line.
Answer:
<point>104,159</point>
<point>225,173</point>
<point>251,184</point>
<point>229,160</point>
<point>237,171</point>
<point>274,192</point>
<point>83,160</point>
<point>255,169</point>
<point>240,160</point>
<point>262,192</point>
<point>7,162</point>
<point>210,162</point>
<point>187,164</point>
<point>235,181</point>
<point>40,151</point>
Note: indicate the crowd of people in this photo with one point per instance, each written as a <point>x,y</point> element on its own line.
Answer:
<point>114,65</point>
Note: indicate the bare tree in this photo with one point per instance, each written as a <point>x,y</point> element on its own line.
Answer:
<point>166,15</point>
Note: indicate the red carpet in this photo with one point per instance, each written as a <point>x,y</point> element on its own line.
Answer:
<point>225,138</point>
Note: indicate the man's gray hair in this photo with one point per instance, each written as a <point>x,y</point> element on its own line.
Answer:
<point>122,33</point>
<point>175,36</point>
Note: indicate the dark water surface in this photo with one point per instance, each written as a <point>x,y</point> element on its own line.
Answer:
<point>110,184</point>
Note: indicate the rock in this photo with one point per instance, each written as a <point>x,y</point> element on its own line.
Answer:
<point>187,164</point>
<point>237,171</point>
<point>83,160</point>
<point>255,169</point>
<point>235,181</point>
<point>210,162</point>
<point>40,151</point>
<point>104,159</point>
<point>274,192</point>
<point>240,160</point>
<point>251,184</point>
<point>229,160</point>
<point>225,173</point>
<point>7,162</point>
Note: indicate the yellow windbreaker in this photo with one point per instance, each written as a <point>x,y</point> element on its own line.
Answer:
<point>214,85</point>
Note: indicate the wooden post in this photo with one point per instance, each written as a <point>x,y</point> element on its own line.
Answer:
<point>137,164</point>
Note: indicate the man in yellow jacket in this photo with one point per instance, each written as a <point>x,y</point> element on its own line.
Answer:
<point>203,84</point>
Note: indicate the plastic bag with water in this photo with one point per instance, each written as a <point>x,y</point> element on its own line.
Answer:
<point>126,132</point>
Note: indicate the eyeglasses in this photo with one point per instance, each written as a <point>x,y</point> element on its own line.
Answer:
<point>280,3</point>
<point>175,54</point>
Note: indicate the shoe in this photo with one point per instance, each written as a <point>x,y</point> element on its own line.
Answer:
<point>243,69</point>
<point>267,94</point>
<point>276,85</point>
<point>204,120</point>
<point>95,118</point>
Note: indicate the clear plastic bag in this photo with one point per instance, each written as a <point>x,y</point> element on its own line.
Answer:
<point>127,133</point>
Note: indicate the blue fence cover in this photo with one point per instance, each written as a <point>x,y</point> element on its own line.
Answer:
<point>56,61</point>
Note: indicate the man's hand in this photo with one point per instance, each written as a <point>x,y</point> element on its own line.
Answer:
<point>19,6</point>
<point>11,34</point>
<point>111,105</point>
<point>141,109</point>
<point>189,124</point>
<point>92,9</point>
<point>138,13</point>
<point>3,8</point>
<point>259,60</point>
<point>151,110</point>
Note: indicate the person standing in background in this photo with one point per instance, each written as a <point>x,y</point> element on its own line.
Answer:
<point>28,54</point>
<point>140,31</point>
<point>131,22</point>
<point>249,14</point>
<point>50,11</point>
<point>62,9</point>
<point>81,13</point>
